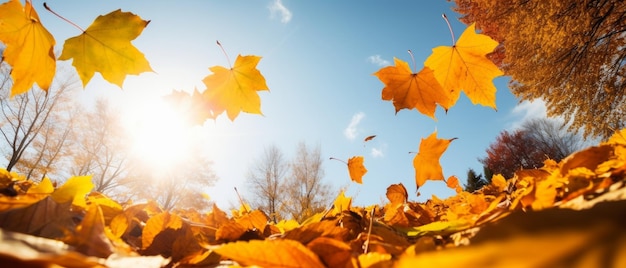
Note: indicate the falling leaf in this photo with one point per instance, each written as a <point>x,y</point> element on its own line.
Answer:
<point>29,47</point>
<point>369,138</point>
<point>106,47</point>
<point>270,253</point>
<point>235,90</point>
<point>453,183</point>
<point>356,169</point>
<point>74,189</point>
<point>464,67</point>
<point>195,107</point>
<point>410,90</point>
<point>426,162</point>
<point>397,194</point>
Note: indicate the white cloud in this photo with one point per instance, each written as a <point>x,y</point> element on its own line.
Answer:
<point>277,8</point>
<point>378,60</point>
<point>528,110</point>
<point>379,152</point>
<point>351,131</point>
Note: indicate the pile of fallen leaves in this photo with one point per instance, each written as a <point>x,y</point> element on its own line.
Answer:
<point>570,213</point>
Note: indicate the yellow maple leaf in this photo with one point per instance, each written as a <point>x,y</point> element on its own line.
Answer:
<point>465,67</point>
<point>234,90</point>
<point>410,90</point>
<point>74,189</point>
<point>341,203</point>
<point>105,47</point>
<point>426,162</point>
<point>357,169</point>
<point>29,47</point>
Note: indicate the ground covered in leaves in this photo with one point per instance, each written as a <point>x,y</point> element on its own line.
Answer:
<point>566,214</point>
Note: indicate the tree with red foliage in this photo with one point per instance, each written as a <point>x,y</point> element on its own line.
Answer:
<point>513,151</point>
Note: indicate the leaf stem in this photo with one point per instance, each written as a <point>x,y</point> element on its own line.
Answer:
<point>225,54</point>
<point>413,58</point>
<point>61,17</point>
<point>241,201</point>
<point>332,158</point>
<point>449,28</point>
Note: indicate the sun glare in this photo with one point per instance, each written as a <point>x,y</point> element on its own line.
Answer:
<point>161,138</point>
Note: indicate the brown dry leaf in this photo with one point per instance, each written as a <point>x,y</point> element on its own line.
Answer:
<point>549,238</point>
<point>230,231</point>
<point>270,253</point>
<point>157,225</point>
<point>397,194</point>
<point>327,228</point>
<point>332,252</point>
<point>45,218</point>
<point>90,238</point>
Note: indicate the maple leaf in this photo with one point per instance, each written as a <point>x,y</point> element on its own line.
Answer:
<point>270,253</point>
<point>105,47</point>
<point>356,169</point>
<point>410,90</point>
<point>426,162</point>
<point>29,47</point>
<point>234,90</point>
<point>465,67</point>
<point>195,107</point>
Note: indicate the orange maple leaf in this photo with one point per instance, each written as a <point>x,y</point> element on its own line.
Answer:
<point>410,90</point>
<point>357,169</point>
<point>465,67</point>
<point>426,162</point>
<point>195,107</point>
<point>29,47</point>
<point>234,90</point>
<point>105,47</point>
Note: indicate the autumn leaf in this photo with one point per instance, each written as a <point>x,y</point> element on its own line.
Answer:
<point>410,90</point>
<point>157,225</point>
<point>29,47</point>
<point>341,203</point>
<point>453,183</point>
<point>356,169</point>
<point>74,189</point>
<point>105,47</point>
<point>195,107</point>
<point>234,90</point>
<point>426,162</point>
<point>464,67</point>
<point>397,194</point>
<point>45,218</point>
<point>270,253</point>
<point>369,138</point>
<point>89,238</point>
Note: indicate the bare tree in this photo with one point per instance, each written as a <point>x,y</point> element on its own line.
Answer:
<point>266,181</point>
<point>553,136</point>
<point>307,193</point>
<point>180,187</point>
<point>100,147</point>
<point>35,125</point>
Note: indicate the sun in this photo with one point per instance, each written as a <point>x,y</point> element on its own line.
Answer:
<point>161,137</point>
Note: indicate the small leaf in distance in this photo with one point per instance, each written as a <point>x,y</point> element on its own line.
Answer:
<point>29,47</point>
<point>106,47</point>
<point>426,161</point>
<point>234,90</point>
<point>369,138</point>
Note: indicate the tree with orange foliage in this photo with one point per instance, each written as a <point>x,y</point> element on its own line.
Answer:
<point>568,53</point>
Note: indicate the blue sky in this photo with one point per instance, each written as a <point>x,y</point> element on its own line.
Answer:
<point>318,60</point>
